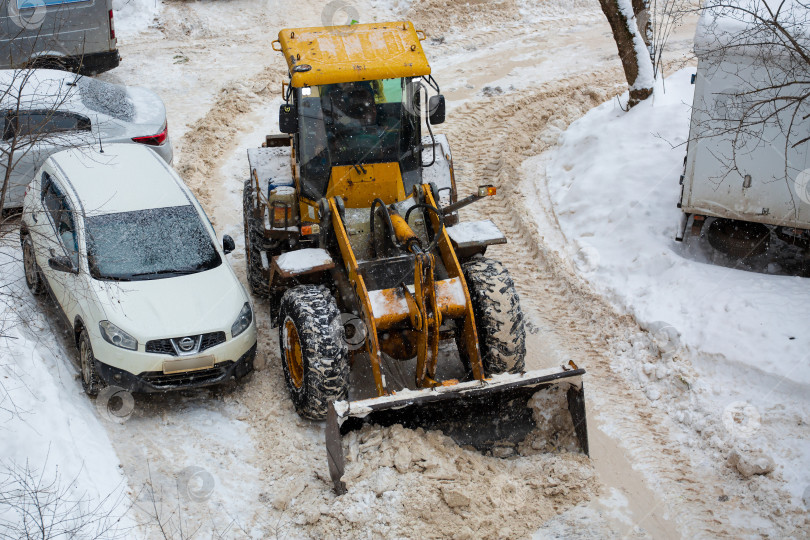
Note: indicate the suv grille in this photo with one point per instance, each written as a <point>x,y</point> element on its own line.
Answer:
<point>212,339</point>
<point>160,346</point>
<point>191,378</point>
<point>164,346</point>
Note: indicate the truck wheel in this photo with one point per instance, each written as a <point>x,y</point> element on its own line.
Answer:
<point>313,350</point>
<point>738,239</point>
<point>498,317</point>
<point>254,232</point>
<point>33,275</point>
<point>91,382</point>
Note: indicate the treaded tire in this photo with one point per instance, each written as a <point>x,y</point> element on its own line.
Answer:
<point>33,274</point>
<point>254,232</point>
<point>91,382</point>
<point>325,369</point>
<point>738,239</point>
<point>498,317</point>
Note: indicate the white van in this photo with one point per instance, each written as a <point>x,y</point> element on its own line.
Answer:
<point>751,180</point>
<point>78,35</point>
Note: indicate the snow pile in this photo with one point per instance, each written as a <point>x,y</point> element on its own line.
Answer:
<point>614,186</point>
<point>303,260</point>
<point>47,424</point>
<point>134,16</point>
<point>454,492</point>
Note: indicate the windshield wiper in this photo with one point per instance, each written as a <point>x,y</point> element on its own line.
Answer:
<point>182,272</point>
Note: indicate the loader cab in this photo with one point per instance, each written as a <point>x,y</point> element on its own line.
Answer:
<point>344,128</point>
<point>351,108</point>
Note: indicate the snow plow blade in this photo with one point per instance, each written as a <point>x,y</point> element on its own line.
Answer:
<point>544,409</point>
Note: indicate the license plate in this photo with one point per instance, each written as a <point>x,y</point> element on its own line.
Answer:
<point>187,364</point>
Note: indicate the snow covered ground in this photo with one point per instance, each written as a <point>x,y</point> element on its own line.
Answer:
<point>134,16</point>
<point>613,183</point>
<point>667,406</point>
<point>51,436</point>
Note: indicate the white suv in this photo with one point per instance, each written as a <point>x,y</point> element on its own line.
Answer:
<point>134,265</point>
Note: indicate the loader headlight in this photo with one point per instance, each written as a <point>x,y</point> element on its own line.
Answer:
<point>243,320</point>
<point>115,336</point>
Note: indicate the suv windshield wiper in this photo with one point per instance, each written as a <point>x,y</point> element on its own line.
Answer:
<point>181,272</point>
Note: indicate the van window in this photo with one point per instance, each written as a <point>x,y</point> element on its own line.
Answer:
<point>35,123</point>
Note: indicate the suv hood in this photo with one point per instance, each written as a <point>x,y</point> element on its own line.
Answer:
<point>173,307</point>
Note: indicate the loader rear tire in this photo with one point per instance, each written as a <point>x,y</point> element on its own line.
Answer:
<point>498,317</point>
<point>254,232</point>
<point>314,353</point>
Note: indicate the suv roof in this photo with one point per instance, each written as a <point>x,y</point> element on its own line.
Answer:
<point>124,178</point>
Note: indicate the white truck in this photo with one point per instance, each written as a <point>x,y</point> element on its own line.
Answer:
<point>743,165</point>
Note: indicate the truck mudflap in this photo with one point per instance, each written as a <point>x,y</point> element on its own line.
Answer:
<point>541,410</point>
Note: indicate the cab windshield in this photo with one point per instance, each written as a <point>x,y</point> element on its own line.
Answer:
<point>354,124</point>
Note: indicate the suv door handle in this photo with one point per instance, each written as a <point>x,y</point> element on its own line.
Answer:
<point>51,251</point>
<point>34,217</point>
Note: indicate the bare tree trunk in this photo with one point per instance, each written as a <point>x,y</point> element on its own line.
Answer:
<point>641,10</point>
<point>632,44</point>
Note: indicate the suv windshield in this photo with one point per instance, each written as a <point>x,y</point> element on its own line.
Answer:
<point>149,244</point>
<point>354,123</point>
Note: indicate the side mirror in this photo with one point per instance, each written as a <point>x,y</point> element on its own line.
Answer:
<point>288,119</point>
<point>228,245</point>
<point>62,264</point>
<point>436,108</point>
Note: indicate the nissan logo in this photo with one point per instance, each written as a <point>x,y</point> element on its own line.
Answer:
<point>186,344</point>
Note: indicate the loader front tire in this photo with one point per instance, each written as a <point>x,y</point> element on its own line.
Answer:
<point>498,317</point>
<point>254,232</point>
<point>313,350</point>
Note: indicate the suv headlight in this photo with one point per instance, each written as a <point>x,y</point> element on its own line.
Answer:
<point>115,336</point>
<point>242,321</point>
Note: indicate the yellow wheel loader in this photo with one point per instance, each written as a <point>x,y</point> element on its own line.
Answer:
<point>388,310</point>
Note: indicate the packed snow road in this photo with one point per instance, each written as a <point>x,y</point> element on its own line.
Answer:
<point>239,462</point>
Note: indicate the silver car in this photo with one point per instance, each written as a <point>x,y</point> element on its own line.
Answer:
<point>78,35</point>
<point>44,111</point>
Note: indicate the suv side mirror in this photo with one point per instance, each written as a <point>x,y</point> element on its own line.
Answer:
<point>436,108</point>
<point>228,245</point>
<point>62,264</point>
<point>288,119</point>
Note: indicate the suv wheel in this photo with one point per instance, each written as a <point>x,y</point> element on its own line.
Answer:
<point>91,382</point>
<point>33,275</point>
